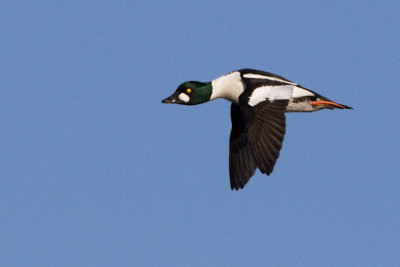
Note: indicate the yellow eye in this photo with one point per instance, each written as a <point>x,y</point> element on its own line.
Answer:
<point>188,90</point>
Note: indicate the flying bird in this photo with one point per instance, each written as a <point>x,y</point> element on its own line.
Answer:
<point>259,102</point>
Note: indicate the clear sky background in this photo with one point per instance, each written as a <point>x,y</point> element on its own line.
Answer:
<point>95,171</point>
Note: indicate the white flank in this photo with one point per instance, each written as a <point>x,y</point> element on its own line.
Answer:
<point>229,86</point>
<point>259,76</point>
<point>300,92</point>
<point>270,93</point>
<point>184,97</point>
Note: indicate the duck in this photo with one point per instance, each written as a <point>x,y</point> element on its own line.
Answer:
<point>259,101</point>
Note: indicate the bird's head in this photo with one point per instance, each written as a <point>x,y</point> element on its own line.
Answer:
<point>190,93</point>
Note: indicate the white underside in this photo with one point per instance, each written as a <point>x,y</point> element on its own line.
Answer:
<point>230,87</point>
<point>303,106</point>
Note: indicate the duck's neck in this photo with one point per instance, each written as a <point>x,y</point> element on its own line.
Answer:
<point>202,94</point>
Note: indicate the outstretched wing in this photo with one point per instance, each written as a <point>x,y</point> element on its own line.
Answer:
<point>241,161</point>
<point>265,130</point>
<point>258,130</point>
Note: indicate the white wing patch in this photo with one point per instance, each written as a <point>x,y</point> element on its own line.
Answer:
<point>270,93</point>
<point>300,92</point>
<point>259,76</point>
<point>184,97</point>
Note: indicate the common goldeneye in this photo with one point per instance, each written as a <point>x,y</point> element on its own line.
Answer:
<point>259,102</point>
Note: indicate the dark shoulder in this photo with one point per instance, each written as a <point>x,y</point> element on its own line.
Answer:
<point>257,78</point>
<point>263,73</point>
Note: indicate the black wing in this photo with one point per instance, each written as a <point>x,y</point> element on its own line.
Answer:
<point>241,162</point>
<point>256,138</point>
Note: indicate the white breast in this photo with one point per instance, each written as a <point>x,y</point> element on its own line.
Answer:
<point>229,86</point>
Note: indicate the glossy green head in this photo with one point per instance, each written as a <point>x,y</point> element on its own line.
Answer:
<point>190,93</point>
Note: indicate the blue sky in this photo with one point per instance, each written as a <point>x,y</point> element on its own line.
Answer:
<point>95,171</point>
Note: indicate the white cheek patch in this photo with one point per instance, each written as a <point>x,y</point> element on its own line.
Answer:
<point>184,97</point>
<point>270,93</point>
